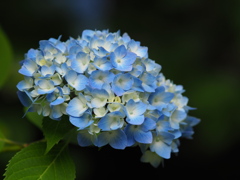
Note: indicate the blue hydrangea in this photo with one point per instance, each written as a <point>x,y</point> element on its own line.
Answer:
<point>110,90</point>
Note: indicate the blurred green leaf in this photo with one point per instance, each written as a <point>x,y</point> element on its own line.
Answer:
<point>1,140</point>
<point>54,131</point>
<point>5,57</point>
<point>35,118</point>
<point>32,163</point>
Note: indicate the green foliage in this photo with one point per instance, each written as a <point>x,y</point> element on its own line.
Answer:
<point>54,131</point>
<point>5,57</point>
<point>34,118</point>
<point>32,163</point>
<point>1,141</point>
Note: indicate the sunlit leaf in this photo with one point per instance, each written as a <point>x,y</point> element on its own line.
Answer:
<point>32,163</point>
<point>5,57</point>
<point>54,131</point>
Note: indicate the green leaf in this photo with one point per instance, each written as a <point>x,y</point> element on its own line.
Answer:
<point>5,57</point>
<point>35,118</point>
<point>32,163</point>
<point>54,131</point>
<point>1,140</point>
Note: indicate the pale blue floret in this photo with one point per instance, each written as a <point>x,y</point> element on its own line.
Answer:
<point>176,117</point>
<point>79,82</point>
<point>99,98</point>
<point>57,111</point>
<point>152,67</point>
<point>83,121</point>
<point>140,133</point>
<point>77,106</point>
<point>117,139</point>
<point>47,71</point>
<point>163,125</point>
<point>162,144</point>
<point>187,126</point>
<point>80,62</point>
<point>148,82</point>
<point>32,54</point>
<point>140,51</point>
<point>111,121</point>
<point>58,96</point>
<point>28,68</point>
<point>160,98</point>
<point>122,83</point>
<point>121,59</point>
<point>98,78</point>
<point>135,111</point>
<point>48,48</point>
<point>25,84</point>
<point>45,86</point>
<point>102,64</point>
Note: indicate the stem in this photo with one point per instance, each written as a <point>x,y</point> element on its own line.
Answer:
<point>8,141</point>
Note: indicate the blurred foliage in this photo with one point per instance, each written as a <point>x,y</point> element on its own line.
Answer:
<point>5,57</point>
<point>196,42</point>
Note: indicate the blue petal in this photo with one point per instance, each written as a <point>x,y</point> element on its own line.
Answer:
<point>117,90</point>
<point>137,85</point>
<point>29,67</point>
<point>143,137</point>
<point>125,81</point>
<point>120,51</point>
<point>137,108</point>
<point>86,139</point>
<point>25,84</point>
<point>81,122</point>
<point>76,107</point>
<point>148,124</point>
<point>57,101</point>
<point>103,138</point>
<point>118,139</point>
<point>129,58</point>
<point>48,71</point>
<point>81,82</point>
<point>136,120</point>
<point>102,64</point>
<point>130,135</point>
<point>80,63</point>
<point>161,149</point>
<point>111,121</point>
<point>71,76</point>
<point>98,78</point>
<point>87,34</point>
<point>24,99</point>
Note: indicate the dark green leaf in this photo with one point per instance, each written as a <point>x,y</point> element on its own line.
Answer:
<point>5,57</point>
<point>35,118</point>
<point>32,163</point>
<point>54,131</point>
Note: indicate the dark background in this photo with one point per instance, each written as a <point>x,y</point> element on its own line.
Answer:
<point>196,42</point>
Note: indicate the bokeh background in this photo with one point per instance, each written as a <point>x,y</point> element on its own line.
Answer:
<point>196,42</point>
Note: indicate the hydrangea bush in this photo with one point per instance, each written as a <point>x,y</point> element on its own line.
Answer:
<point>110,90</point>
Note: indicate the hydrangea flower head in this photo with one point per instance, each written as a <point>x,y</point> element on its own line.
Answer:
<point>110,90</point>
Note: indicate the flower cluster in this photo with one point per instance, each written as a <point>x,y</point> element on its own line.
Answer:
<point>112,92</point>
